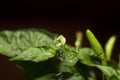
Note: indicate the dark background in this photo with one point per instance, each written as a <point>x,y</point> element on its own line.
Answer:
<point>59,16</point>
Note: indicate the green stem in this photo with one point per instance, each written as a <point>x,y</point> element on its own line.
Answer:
<point>103,76</point>
<point>104,63</point>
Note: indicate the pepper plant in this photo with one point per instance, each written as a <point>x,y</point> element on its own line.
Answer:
<point>43,55</point>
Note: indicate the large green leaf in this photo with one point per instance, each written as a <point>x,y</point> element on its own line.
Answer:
<point>36,54</point>
<point>13,43</point>
<point>27,47</point>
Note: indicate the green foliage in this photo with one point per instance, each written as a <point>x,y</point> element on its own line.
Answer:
<point>46,56</point>
<point>13,43</point>
<point>68,56</point>
<point>86,55</point>
<point>108,71</point>
<point>36,54</point>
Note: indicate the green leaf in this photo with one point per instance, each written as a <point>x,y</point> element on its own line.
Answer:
<point>64,68</point>
<point>76,77</point>
<point>68,56</point>
<point>13,43</point>
<point>85,56</point>
<point>36,54</point>
<point>108,71</point>
<point>109,47</point>
<point>118,73</point>
<point>85,70</point>
<point>95,44</point>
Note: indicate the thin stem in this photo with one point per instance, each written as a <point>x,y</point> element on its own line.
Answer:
<point>104,63</point>
<point>103,76</point>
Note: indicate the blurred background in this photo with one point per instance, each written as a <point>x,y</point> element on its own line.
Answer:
<point>59,16</point>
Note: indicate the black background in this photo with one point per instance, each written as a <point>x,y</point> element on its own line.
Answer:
<point>59,16</point>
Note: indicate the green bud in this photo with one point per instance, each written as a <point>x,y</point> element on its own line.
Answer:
<point>78,42</point>
<point>95,44</point>
<point>109,47</point>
